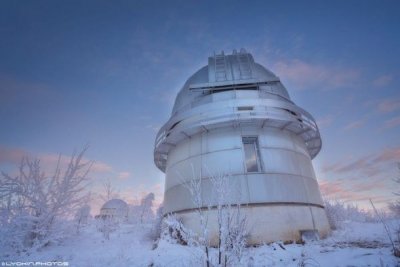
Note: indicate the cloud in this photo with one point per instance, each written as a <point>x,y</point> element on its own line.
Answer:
<point>366,166</point>
<point>153,127</point>
<point>308,76</point>
<point>354,125</point>
<point>11,156</point>
<point>388,105</point>
<point>14,156</point>
<point>124,175</point>
<point>16,92</point>
<point>391,123</point>
<point>382,80</point>
<point>325,121</point>
<point>335,190</point>
<point>355,192</point>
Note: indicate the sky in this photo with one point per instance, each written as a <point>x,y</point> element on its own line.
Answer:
<point>106,73</point>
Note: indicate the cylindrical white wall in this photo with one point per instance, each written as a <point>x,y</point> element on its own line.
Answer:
<point>283,198</point>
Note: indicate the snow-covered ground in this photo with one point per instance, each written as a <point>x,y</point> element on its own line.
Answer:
<point>356,244</point>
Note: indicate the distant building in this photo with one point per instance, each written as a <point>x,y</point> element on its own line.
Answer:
<point>115,208</point>
<point>234,116</point>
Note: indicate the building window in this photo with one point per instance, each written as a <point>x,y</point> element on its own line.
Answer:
<point>242,108</point>
<point>251,154</point>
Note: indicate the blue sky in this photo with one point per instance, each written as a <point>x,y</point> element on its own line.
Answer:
<point>106,73</point>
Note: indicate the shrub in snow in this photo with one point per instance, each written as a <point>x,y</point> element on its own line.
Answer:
<point>106,225</point>
<point>133,212</point>
<point>395,206</point>
<point>145,209</point>
<point>231,222</point>
<point>155,232</point>
<point>339,212</point>
<point>37,204</point>
<point>174,230</point>
<point>142,213</point>
<point>236,236</point>
<point>81,217</point>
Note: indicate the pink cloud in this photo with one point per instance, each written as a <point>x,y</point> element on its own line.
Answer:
<point>14,156</point>
<point>18,91</point>
<point>354,125</point>
<point>324,121</point>
<point>338,190</point>
<point>389,155</point>
<point>358,193</point>
<point>305,75</point>
<point>391,123</point>
<point>124,175</point>
<point>367,177</point>
<point>382,80</point>
<point>11,156</point>
<point>368,165</point>
<point>388,105</point>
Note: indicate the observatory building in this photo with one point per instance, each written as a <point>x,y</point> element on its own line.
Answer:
<point>115,208</point>
<point>234,116</point>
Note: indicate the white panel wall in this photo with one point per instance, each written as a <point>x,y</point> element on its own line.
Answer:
<point>287,178</point>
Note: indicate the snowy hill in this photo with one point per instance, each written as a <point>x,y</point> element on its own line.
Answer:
<point>356,244</point>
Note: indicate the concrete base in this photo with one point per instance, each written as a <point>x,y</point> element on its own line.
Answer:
<point>269,223</point>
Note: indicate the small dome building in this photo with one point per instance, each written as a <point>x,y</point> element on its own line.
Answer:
<point>234,116</point>
<point>115,208</point>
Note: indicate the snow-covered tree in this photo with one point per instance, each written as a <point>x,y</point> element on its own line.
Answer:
<point>108,191</point>
<point>145,208</point>
<point>155,232</point>
<point>194,186</point>
<point>107,225</point>
<point>36,203</point>
<point>82,216</point>
<point>231,222</point>
<point>395,207</point>
<point>338,212</point>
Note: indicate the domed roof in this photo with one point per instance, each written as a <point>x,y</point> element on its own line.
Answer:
<point>227,70</point>
<point>115,204</point>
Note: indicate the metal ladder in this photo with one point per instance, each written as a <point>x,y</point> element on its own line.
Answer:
<point>220,67</point>
<point>244,64</point>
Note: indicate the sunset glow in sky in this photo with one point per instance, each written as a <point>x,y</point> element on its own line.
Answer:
<point>106,73</point>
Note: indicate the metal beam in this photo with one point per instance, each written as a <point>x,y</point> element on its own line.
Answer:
<point>311,139</point>
<point>204,127</point>
<point>286,125</point>
<point>185,134</point>
<point>169,144</point>
<point>304,131</point>
<point>263,124</point>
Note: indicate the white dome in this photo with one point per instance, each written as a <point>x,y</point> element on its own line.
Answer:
<point>115,204</point>
<point>115,208</point>
<point>237,71</point>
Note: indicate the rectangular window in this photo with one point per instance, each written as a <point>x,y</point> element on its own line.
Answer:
<point>251,154</point>
<point>245,108</point>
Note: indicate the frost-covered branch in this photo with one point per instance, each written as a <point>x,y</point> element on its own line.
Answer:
<point>36,202</point>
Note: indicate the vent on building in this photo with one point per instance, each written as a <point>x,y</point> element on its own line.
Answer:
<point>245,108</point>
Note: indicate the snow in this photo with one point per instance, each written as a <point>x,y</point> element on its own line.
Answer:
<point>355,244</point>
